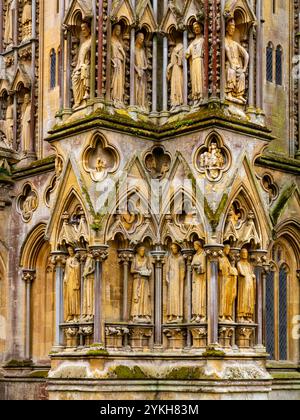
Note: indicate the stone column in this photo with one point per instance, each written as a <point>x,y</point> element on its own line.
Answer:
<point>188,256</point>
<point>125,257</point>
<point>259,259</point>
<point>213,252</point>
<point>68,71</point>
<point>59,261</point>
<point>93,52</point>
<point>259,56</point>
<point>165,67</point>
<point>1,25</point>
<point>62,58</point>
<point>33,73</point>
<point>81,256</point>
<point>132,62</point>
<point>251,68</point>
<point>100,254</point>
<point>158,256</point>
<point>28,276</point>
<point>100,49</point>
<point>108,51</point>
<point>185,70</point>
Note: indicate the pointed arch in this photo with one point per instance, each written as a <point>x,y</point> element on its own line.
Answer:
<point>32,245</point>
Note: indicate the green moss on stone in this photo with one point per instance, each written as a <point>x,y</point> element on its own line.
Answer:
<point>214,354</point>
<point>126,372</point>
<point>19,364</point>
<point>97,353</point>
<point>281,202</point>
<point>185,373</point>
<point>39,374</point>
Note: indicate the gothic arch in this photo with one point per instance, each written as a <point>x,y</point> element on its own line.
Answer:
<point>32,246</point>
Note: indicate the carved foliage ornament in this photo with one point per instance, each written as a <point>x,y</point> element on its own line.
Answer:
<point>213,158</point>
<point>27,203</point>
<point>100,159</point>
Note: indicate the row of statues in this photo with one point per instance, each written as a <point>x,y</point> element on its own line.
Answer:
<point>236,282</point>
<point>237,61</point>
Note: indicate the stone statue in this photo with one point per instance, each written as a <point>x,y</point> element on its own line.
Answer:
<point>72,284</point>
<point>175,269</point>
<point>88,292</point>
<point>9,24</point>
<point>27,21</point>
<point>141,270</point>
<point>246,289</point>
<point>118,58</point>
<point>29,206</point>
<point>81,74</point>
<point>199,306</point>
<point>101,169</point>
<point>26,123</point>
<point>195,54</point>
<point>212,161</point>
<point>141,78</point>
<point>175,76</point>
<point>228,276</point>
<point>237,61</point>
<point>9,121</point>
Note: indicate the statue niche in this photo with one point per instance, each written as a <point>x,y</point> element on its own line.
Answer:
<point>82,63</point>
<point>26,124</point>
<point>141,73</point>
<point>237,61</point>
<point>118,60</point>
<point>88,292</point>
<point>8,37</point>
<point>158,163</point>
<point>228,276</point>
<point>195,55</point>
<point>199,300</point>
<point>26,21</point>
<point>175,74</point>
<point>141,311</point>
<point>175,275</point>
<point>72,285</point>
<point>246,289</point>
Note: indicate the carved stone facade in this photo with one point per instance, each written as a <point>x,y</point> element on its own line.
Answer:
<point>145,202</point>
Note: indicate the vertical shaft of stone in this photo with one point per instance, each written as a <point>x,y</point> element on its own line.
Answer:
<point>100,253</point>
<point>28,277</point>
<point>259,52</point>
<point>16,23</point>
<point>154,63</point>
<point>259,259</point>
<point>61,59</point>
<point>188,255</point>
<point>68,70</point>
<point>33,77</point>
<point>165,81</point>
<point>15,128</point>
<point>100,50</point>
<point>158,256</point>
<point>223,54</point>
<point>1,25</point>
<point>125,291</point>
<point>108,51</point>
<point>58,259</point>
<point>251,67</point>
<point>213,253</point>
<point>185,69</point>
<point>93,51</point>
<point>132,64</point>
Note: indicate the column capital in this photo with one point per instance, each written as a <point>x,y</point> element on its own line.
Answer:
<point>99,252</point>
<point>214,251</point>
<point>259,259</point>
<point>158,256</point>
<point>188,254</point>
<point>58,258</point>
<point>125,255</point>
<point>28,276</point>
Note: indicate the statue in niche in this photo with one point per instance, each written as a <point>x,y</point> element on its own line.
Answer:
<point>81,74</point>
<point>88,292</point>
<point>246,289</point>
<point>118,67</point>
<point>72,285</point>
<point>175,269</point>
<point>175,76</point>
<point>195,54</point>
<point>141,270</point>
<point>158,165</point>
<point>199,301</point>
<point>27,21</point>
<point>9,24</point>
<point>26,123</point>
<point>212,161</point>
<point>141,78</point>
<point>237,61</point>
<point>228,276</point>
<point>9,121</point>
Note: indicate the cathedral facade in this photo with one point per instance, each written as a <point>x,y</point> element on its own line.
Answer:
<point>149,199</point>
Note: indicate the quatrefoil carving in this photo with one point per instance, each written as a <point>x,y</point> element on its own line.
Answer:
<point>158,162</point>
<point>213,159</point>
<point>27,203</point>
<point>100,159</point>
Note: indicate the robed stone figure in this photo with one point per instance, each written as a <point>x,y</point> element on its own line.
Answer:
<point>88,292</point>
<point>228,276</point>
<point>175,76</point>
<point>246,289</point>
<point>199,296</point>
<point>141,270</point>
<point>195,54</point>
<point>175,270</point>
<point>141,78</point>
<point>26,123</point>
<point>72,283</point>
<point>118,59</point>
<point>81,73</point>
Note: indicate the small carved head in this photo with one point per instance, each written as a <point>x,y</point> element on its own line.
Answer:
<point>227,250</point>
<point>197,28</point>
<point>85,29</point>
<point>175,249</point>
<point>141,251</point>
<point>244,254</point>
<point>197,246</point>
<point>117,31</point>
<point>71,251</point>
<point>230,27</point>
<point>140,38</point>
